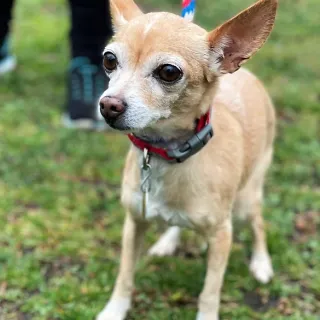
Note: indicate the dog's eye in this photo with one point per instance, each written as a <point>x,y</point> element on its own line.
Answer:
<point>169,73</point>
<point>110,61</point>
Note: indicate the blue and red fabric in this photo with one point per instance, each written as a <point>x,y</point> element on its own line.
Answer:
<point>188,9</point>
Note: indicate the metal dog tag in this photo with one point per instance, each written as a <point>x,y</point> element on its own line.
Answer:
<point>145,181</point>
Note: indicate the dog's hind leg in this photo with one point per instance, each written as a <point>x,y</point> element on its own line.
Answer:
<point>249,206</point>
<point>260,265</point>
<point>167,243</point>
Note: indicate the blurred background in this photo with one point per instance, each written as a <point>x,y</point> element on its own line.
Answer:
<point>60,218</point>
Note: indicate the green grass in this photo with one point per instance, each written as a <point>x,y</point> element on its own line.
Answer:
<point>60,217</point>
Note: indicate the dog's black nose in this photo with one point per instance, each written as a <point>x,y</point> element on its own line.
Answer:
<point>111,108</point>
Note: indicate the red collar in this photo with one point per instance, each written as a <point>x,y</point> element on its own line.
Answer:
<point>203,133</point>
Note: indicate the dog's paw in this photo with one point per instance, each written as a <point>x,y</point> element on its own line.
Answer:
<point>167,244</point>
<point>205,316</point>
<point>261,267</point>
<point>116,309</point>
<point>162,249</point>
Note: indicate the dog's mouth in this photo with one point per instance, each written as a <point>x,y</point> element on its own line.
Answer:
<point>128,124</point>
<point>119,125</point>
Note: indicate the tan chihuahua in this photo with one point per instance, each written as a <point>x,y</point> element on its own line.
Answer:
<point>172,84</point>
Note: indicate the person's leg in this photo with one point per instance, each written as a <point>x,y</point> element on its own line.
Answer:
<point>7,62</point>
<point>91,28</point>
<point>90,31</point>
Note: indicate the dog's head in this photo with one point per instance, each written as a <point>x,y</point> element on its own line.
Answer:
<point>163,68</point>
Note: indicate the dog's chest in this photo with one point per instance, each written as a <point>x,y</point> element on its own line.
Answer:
<point>156,202</point>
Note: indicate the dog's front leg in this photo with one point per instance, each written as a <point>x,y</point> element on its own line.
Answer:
<point>218,253</point>
<point>120,301</point>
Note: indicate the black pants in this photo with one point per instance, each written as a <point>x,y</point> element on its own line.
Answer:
<point>91,26</point>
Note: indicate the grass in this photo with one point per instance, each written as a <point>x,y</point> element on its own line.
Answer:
<point>59,189</point>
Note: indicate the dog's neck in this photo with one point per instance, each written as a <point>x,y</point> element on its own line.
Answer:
<point>159,140</point>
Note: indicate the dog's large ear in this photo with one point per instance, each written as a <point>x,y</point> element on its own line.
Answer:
<point>123,11</point>
<point>235,41</point>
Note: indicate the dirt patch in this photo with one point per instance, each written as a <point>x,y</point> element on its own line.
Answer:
<point>259,302</point>
<point>58,267</point>
<point>307,224</point>
<point>10,311</point>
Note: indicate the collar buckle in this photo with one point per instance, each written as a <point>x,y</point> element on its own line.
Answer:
<point>192,146</point>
